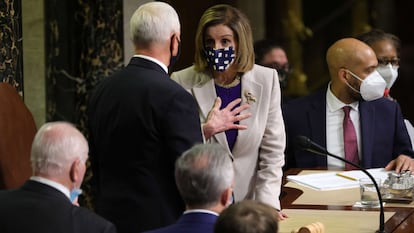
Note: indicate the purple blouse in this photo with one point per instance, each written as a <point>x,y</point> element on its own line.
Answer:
<point>227,95</point>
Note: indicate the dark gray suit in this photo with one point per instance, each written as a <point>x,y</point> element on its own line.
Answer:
<point>140,121</point>
<point>190,223</point>
<point>36,207</point>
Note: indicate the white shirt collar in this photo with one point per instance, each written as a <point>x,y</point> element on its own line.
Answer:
<point>53,184</point>
<point>153,60</point>
<point>200,211</point>
<point>334,104</point>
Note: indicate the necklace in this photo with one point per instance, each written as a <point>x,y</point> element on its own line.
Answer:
<point>233,83</point>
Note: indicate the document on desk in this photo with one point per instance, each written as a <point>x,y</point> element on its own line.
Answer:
<point>358,174</point>
<point>336,180</point>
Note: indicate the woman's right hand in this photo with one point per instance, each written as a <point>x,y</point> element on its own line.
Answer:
<point>219,120</point>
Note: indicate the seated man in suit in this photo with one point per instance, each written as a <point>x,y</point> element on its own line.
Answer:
<point>44,203</point>
<point>373,133</point>
<point>204,176</point>
<point>247,216</point>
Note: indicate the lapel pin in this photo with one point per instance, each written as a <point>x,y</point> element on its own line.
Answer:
<point>250,98</point>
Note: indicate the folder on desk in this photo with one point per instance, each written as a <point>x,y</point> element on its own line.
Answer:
<point>336,180</point>
<point>323,181</point>
<point>380,173</point>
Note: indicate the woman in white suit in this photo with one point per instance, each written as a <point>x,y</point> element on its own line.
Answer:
<point>239,103</point>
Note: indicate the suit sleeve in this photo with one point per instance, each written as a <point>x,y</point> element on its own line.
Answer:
<point>181,123</point>
<point>271,151</point>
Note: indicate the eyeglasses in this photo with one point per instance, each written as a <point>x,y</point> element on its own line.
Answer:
<point>385,61</point>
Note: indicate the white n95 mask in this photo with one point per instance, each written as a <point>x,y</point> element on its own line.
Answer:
<point>372,87</point>
<point>389,73</point>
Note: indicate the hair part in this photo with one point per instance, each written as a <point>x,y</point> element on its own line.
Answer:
<point>203,173</point>
<point>55,146</point>
<point>234,19</point>
<point>153,22</point>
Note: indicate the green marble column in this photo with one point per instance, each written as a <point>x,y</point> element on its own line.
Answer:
<point>11,51</point>
<point>84,41</point>
<point>84,44</point>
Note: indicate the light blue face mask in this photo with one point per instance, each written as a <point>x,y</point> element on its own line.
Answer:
<point>219,59</point>
<point>75,193</point>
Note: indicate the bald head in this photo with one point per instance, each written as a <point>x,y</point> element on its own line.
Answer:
<point>347,53</point>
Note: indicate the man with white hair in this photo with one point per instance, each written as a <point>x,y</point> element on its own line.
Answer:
<point>140,121</point>
<point>44,202</point>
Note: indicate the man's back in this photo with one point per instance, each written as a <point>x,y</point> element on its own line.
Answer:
<point>36,207</point>
<point>140,121</point>
<point>190,223</point>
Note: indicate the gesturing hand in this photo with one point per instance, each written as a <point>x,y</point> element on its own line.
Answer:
<point>224,119</point>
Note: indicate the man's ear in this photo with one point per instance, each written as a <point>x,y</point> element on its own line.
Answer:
<point>74,170</point>
<point>174,44</point>
<point>343,75</point>
<point>226,197</point>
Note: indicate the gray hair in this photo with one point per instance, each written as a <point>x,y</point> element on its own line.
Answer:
<point>153,22</point>
<point>203,173</point>
<point>55,146</point>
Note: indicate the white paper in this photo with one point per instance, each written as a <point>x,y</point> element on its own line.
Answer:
<point>331,180</point>
<point>375,172</point>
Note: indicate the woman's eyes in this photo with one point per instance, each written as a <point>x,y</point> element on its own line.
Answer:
<point>222,43</point>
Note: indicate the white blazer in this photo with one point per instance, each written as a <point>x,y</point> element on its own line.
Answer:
<point>258,154</point>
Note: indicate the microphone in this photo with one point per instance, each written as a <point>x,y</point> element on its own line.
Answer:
<point>306,144</point>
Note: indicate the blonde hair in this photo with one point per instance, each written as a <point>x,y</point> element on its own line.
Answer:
<point>238,23</point>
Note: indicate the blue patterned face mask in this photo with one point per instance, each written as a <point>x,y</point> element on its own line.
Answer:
<point>220,59</point>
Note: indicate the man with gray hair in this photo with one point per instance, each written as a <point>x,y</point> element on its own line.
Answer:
<point>140,121</point>
<point>44,203</point>
<point>204,176</point>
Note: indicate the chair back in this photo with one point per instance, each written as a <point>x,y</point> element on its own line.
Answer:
<point>17,130</point>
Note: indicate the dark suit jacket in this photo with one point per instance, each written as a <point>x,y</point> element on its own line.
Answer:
<point>140,121</point>
<point>191,223</point>
<point>36,207</point>
<point>383,132</point>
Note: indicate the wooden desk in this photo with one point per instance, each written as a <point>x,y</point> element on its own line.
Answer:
<point>401,222</point>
